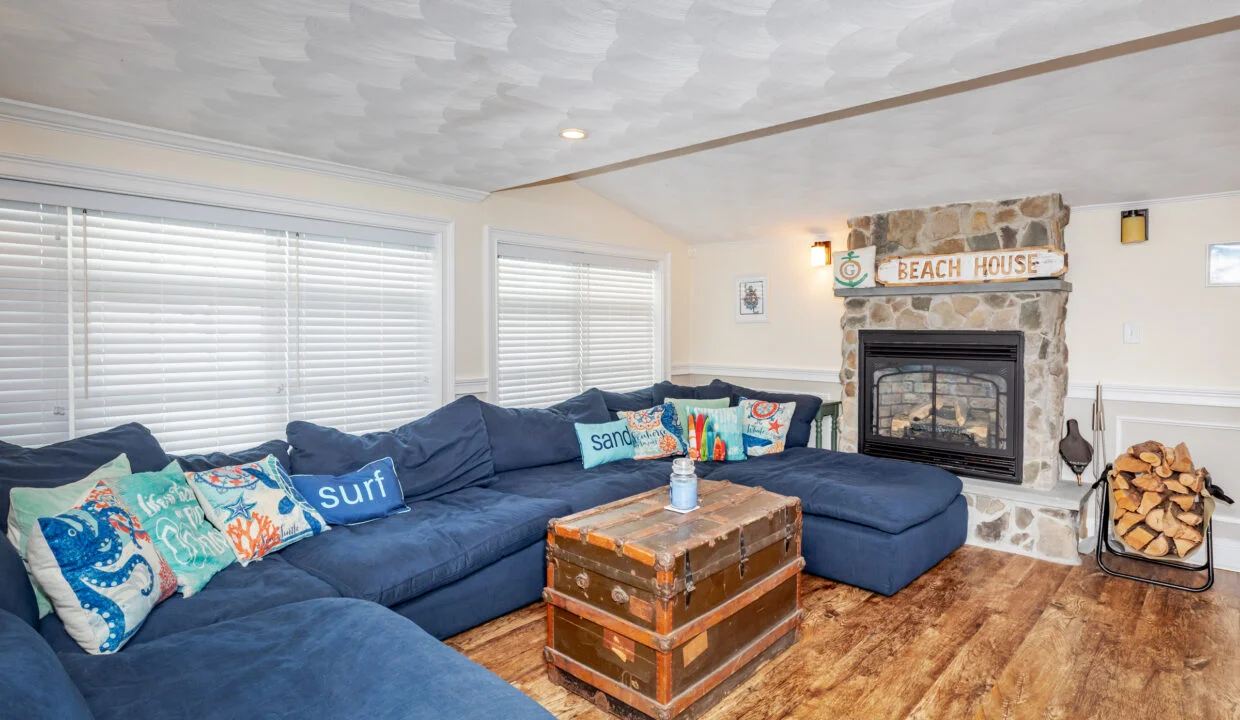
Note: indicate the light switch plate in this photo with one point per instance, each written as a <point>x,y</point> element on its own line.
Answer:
<point>1132,333</point>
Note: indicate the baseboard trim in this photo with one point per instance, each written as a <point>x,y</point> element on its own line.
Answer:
<point>760,373</point>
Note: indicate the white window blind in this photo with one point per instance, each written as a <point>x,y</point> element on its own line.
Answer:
<point>213,335</point>
<point>34,338</point>
<point>366,351</point>
<point>568,321</point>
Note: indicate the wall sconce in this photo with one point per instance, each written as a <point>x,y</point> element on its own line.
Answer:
<point>1134,226</point>
<point>820,254</point>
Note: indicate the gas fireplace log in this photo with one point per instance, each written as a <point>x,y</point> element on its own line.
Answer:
<point>1158,499</point>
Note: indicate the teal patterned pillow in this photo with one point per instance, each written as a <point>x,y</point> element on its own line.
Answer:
<point>715,434</point>
<point>684,405</point>
<point>655,432</point>
<point>170,512</point>
<point>765,425</point>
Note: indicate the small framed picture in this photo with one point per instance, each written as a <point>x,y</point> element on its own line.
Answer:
<point>1223,263</point>
<point>751,299</point>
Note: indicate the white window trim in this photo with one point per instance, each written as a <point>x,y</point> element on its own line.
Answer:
<point>81,176</point>
<point>494,236</point>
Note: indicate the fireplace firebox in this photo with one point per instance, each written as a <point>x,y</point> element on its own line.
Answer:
<point>954,399</point>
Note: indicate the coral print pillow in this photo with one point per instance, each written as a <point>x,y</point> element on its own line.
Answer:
<point>101,570</point>
<point>170,511</point>
<point>655,432</point>
<point>765,425</point>
<point>256,507</point>
<point>715,434</point>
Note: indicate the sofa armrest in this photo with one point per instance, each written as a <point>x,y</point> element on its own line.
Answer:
<point>831,410</point>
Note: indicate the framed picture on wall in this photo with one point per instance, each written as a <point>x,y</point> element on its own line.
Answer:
<point>751,298</point>
<point>1223,263</point>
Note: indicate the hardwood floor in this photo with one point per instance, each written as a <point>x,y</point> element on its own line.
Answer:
<point>983,635</point>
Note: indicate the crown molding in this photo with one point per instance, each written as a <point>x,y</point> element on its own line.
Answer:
<point>39,169</point>
<point>82,124</point>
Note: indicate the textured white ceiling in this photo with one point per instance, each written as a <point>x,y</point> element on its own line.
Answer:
<point>1158,124</point>
<point>472,92</point>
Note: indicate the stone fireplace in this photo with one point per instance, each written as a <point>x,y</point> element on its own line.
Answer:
<point>936,408</point>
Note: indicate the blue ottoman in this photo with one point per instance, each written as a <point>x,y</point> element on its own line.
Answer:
<point>870,522</point>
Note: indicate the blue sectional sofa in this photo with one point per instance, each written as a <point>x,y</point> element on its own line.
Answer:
<point>315,629</point>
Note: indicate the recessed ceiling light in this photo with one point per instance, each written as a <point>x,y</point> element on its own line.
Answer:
<point>573,134</point>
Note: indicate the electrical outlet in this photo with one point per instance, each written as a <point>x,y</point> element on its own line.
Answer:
<point>1132,333</point>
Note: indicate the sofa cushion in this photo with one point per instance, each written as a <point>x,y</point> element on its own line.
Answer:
<point>16,592</point>
<point>33,683</point>
<point>529,437</point>
<point>65,462</point>
<point>888,495</point>
<point>435,455</point>
<point>582,488</point>
<point>438,541</point>
<point>639,399</point>
<point>666,389</point>
<point>218,459</point>
<point>333,658</point>
<point>802,427</point>
<point>234,592</point>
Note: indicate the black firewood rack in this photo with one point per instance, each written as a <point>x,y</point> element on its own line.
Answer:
<point>1106,548</point>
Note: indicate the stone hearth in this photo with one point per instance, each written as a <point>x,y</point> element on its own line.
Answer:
<point>1037,221</point>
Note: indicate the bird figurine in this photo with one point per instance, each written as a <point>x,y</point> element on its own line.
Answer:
<point>1076,450</point>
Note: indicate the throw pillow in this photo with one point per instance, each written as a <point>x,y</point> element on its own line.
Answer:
<point>170,512</point>
<point>363,495</point>
<point>765,425</point>
<point>655,432</point>
<point>715,434</point>
<point>100,569</point>
<point>684,405</point>
<point>256,507</point>
<point>28,504</point>
<point>605,442</point>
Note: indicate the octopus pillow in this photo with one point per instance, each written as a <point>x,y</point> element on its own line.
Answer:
<point>765,425</point>
<point>28,504</point>
<point>100,569</point>
<point>656,433</point>
<point>170,511</point>
<point>256,506</point>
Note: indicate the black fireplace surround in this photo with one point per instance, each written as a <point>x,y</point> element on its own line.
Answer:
<point>954,399</point>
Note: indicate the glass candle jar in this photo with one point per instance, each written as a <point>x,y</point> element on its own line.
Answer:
<point>684,484</point>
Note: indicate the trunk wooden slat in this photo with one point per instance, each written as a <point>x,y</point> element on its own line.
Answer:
<point>655,613</point>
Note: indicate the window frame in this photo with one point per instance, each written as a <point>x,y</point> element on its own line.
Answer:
<point>495,236</point>
<point>100,189</point>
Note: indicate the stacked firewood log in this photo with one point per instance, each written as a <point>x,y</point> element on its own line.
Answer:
<point>1158,499</point>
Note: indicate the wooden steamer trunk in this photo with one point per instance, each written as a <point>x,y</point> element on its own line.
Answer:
<point>651,613</point>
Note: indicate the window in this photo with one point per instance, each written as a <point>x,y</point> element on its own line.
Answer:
<point>567,320</point>
<point>213,333</point>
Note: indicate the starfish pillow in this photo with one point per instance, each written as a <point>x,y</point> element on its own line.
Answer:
<point>765,425</point>
<point>256,506</point>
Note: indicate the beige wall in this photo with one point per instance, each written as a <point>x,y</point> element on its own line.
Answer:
<point>1190,333</point>
<point>566,210</point>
